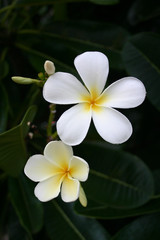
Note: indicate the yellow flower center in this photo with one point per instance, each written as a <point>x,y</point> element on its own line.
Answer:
<point>66,172</point>
<point>94,102</point>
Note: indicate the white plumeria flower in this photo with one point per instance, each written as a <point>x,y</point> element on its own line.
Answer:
<point>57,170</point>
<point>93,102</point>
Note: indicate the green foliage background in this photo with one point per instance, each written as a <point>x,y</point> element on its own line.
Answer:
<point>123,188</point>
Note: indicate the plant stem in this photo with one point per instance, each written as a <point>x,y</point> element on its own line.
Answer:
<point>54,135</point>
<point>9,10</point>
<point>51,135</point>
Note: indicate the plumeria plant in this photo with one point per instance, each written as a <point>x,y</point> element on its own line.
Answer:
<point>80,120</point>
<point>58,170</point>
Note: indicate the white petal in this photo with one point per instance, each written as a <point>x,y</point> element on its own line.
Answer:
<point>49,188</point>
<point>64,88</point>
<point>82,197</point>
<point>73,125</point>
<point>58,153</point>
<point>112,126</point>
<point>127,92</point>
<point>38,168</point>
<point>79,169</point>
<point>93,67</point>
<point>70,190</point>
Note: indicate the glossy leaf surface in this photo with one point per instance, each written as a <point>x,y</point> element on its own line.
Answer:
<point>61,222</point>
<point>140,62</point>
<point>28,208</point>
<point>113,172</point>
<point>144,228</point>
<point>12,145</point>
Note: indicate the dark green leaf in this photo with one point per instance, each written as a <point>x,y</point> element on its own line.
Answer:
<point>62,223</point>
<point>28,208</point>
<point>144,228</point>
<point>4,69</point>
<point>156,175</point>
<point>141,58</point>
<point>15,230</point>
<point>139,13</point>
<point>12,145</point>
<point>3,109</point>
<point>72,38</point>
<point>94,33</point>
<point>117,178</point>
<point>105,2</point>
<point>22,3</point>
<point>103,211</point>
<point>100,211</point>
<point>41,57</point>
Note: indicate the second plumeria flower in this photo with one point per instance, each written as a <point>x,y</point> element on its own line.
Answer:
<point>58,170</point>
<point>93,102</point>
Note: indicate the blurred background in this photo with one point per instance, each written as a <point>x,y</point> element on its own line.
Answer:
<point>123,188</point>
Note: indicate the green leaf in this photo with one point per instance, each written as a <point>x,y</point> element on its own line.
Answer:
<point>15,230</point>
<point>28,208</point>
<point>22,3</point>
<point>45,2</point>
<point>144,228</point>
<point>62,223</point>
<point>156,175</point>
<point>103,211</point>
<point>75,38</point>
<point>12,145</point>
<point>4,69</point>
<point>141,58</point>
<point>96,210</point>
<point>138,13</point>
<point>105,2</point>
<point>116,178</point>
<point>3,109</point>
<point>41,57</point>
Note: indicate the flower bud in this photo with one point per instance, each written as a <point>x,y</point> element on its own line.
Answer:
<point>22,80</point>
<point>49,67</point>
<point>26,81</point>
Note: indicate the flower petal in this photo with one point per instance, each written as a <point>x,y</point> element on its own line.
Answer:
<point>58,153</point>
<point>79,168</point>
<point>82,197</point>
<point>64,88</point>
<point>93,67</point>
<point>38,168</point>
<point>73,125</point>
<point>112,125</point>
<point>127,92</point>
<point>70,190</point>
<point>49,188</point>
